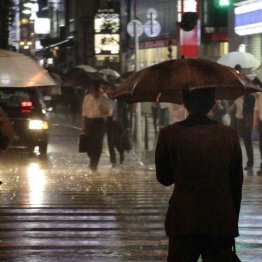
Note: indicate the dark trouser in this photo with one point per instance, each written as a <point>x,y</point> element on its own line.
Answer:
<point>260,140</point>
<point>155,115</point>
<point>96,131</point>
<point>189,249</point>
<point>245,133</point>
<point>114,132</point>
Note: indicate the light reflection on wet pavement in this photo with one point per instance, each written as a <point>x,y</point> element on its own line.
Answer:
<point>54,209</point>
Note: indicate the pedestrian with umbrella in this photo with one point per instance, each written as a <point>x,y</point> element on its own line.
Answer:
<point>201,157</point>
<point>96,107</point>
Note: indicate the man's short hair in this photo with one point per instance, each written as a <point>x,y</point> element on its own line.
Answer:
<point>199,101</point>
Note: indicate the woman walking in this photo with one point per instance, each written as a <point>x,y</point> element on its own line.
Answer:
<point>95,108</point>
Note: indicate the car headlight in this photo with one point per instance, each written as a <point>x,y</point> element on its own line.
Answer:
<point>38,124</point>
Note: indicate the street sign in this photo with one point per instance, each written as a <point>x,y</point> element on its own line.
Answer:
<point>151,13</point>
<point>135,27</point>
<point>152,28</point>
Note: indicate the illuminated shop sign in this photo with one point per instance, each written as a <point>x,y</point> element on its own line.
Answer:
<point>184,6</point>
<point>107,23</point>
<point>248,18</point>
<point>107,37</point>
<point>107,44</point>
<point>42,26</point>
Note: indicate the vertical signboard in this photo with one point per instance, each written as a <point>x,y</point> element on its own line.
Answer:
<point>189,40</point>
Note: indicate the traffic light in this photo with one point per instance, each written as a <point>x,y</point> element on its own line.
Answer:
<point>189,21</point>
<point>223,3</point>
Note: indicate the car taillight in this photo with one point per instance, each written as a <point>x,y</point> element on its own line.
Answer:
<point>26,106</point>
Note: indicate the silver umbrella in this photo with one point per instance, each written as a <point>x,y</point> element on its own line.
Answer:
<point>246,60</point>
<point>18,70</point>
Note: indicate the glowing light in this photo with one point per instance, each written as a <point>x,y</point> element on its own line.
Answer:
<point>38,124</point>
<point>37,182</point>
<point>248,19</point>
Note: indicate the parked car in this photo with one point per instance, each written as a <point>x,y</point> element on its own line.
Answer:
<point>27,112</point>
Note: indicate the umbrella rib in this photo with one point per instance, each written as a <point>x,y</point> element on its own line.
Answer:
<point>134,86</point>
<point>158,97</point>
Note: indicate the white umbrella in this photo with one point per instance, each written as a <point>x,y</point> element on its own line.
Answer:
<point>246,60</point>
<point>18,70</point>
<point>258,72</point>
<point>109,72</point>
<point>87,68</point>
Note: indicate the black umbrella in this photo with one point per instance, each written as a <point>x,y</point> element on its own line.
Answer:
<point>165,81</point>
<point>78,77</point>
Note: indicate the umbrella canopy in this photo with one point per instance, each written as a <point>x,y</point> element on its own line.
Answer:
<point>87,68</point>
<point>18,70</point>
<point>246,60</point>
<point>78,77</point>
<point>258,72</point>
<point>165,81</point>
<point>108,72</point>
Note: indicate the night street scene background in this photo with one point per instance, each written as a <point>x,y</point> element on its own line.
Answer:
<point>52,206</point>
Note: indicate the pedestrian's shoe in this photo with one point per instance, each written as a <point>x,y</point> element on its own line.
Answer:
<point>93,168</point>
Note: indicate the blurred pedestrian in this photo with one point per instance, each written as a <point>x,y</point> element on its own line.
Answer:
<point>6,131</point>
<point>155,115</point>
<point>177,113</point>
<point>164,114</point>
<point>258,124</point>
<point>96,108</point>
<point>75,102</point>
<point>203,159</point>
<point>243,108</point>
<point>116,127</point>
<point>218,111</point>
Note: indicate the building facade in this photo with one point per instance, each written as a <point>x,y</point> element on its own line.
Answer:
<point>100,33</point>
<point>245,27</point>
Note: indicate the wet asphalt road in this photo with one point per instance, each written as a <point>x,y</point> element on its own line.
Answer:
<point>53,209</point>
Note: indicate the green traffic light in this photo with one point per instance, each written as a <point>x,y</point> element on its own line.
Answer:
<point>224,3</point>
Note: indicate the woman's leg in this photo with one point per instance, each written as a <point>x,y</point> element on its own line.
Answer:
<point>96,134</point>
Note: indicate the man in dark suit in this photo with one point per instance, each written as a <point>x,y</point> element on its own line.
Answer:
<point>203,159</point>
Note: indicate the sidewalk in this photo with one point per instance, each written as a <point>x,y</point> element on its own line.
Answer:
<point>139,154</point>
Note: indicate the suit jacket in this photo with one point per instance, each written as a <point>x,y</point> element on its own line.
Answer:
<point>203,159</point>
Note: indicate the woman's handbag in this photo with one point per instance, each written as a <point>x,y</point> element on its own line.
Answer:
<point>82,143</point>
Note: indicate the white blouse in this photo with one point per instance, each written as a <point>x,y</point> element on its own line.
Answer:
<point>100,107</point>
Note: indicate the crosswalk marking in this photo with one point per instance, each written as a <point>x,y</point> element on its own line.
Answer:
<point>116,215</point>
